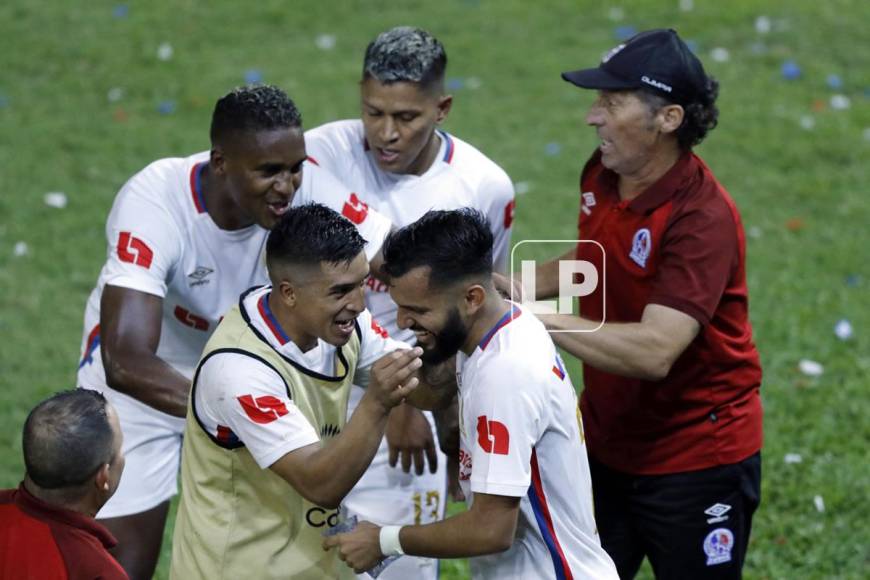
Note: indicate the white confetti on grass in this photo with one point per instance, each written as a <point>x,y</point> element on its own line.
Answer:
<point>793,458</point>
<point>819,502</point>
<point>843,329</point>
<point>720,54</point>
<point>840,102</point>
<point>811,368</point>
<point>807,122</point>
<point>522,187</point>
<point>165,51</point>
<point>56,199</point>
<point>325,41</point>
<point>762,25</point>
<point>616,14</point>
<point>20,249</point>
<point>115,94</point>
<point>687,5</point>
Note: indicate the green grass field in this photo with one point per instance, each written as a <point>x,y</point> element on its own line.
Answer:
<point>796,165</point>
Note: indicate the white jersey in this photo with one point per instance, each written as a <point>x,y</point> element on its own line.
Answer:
<point>460,176</point>
<point>521,436</point>
<point>227,379</point>
<point>162,241</point>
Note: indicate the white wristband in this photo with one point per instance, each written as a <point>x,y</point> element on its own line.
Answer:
<point>389,539</point>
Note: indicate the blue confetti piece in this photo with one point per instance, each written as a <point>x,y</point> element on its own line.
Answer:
<point>624,32</point>
<point>790,70</point>
<point>552,149</point>
<point>853,280</point>
<point>455,83</point>
<point>253,76</point>
<point>121,11</point>
<point>166,107</point>
<point>834,82</point>
<point>4,101</point>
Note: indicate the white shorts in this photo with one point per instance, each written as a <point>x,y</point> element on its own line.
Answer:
<point>388,496</point>
<point>152,449</point>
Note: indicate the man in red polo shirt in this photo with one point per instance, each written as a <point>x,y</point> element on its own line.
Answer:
<point>671,403</point>
<point>72,452</point>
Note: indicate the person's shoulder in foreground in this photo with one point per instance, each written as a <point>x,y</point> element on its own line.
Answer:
<point>72,452</point>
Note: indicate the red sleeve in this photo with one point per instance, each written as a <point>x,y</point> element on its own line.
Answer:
<point>698,255</point>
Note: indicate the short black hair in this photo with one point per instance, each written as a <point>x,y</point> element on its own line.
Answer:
<point>455,244</point>
<point>253,108</point>
<point>67,438</point>
<point>310,234</point>
<point>700,114</point>
<point>405,54</point>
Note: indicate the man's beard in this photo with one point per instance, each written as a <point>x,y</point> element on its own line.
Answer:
<point>448,341</point>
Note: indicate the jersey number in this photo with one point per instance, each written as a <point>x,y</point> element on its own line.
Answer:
<point>264,409</point>
<point>134,250</point>
<point>493,436</point>
<point>355,209</point>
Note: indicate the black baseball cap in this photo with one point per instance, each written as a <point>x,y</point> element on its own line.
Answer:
<point>656,60</point>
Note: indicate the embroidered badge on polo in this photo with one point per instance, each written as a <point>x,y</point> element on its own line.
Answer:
<point>641,245</point>
<point>588,202</point>
<point>718,545</point>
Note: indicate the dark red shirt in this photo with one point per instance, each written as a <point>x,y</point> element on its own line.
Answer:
<point>38,540</point>
<point>680,244</point>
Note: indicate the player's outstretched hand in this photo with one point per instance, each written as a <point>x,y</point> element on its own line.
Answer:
<point>409,438</point>
<point>360,549</point>
<point>392,376</point>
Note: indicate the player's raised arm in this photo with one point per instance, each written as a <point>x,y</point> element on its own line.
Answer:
<point>324,474</point>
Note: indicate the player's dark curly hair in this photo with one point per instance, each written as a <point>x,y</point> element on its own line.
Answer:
<point>454,244</point>
<point>66,439</point>
<point>253,108</point>
<point>701,114</point>
<point>310,234</point>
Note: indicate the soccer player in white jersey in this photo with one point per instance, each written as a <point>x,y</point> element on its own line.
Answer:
<point>185,238</point>
<point>523,462</point>
<point>397,161</point>
<point>267,455</point>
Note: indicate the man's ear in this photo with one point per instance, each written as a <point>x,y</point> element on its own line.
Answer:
<point>444,104</point>
<point>217,161</point>
<point>671,118</point>
<point>289,293</point>
<point>101,479</point>
<point>475,296</point>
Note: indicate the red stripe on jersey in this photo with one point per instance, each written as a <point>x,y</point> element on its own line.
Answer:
<point>448,154</point>
<point>271,321</point>
<point>545,522</point>
<point>312,160</point>
<point>195,189</point>
<point>514,312</point>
